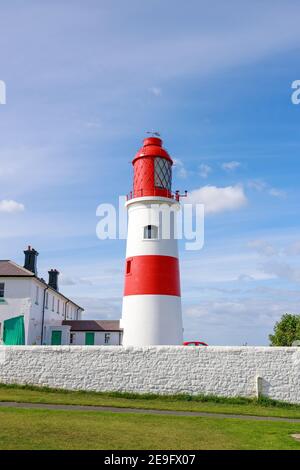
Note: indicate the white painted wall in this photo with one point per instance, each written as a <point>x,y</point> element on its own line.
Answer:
<point>20,299</point>
<point>221,371</point>
<point>17,296</point>
<point>65,333</point>
<point>79,338</point>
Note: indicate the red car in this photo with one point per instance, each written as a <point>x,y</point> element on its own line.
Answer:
<point>194,343</point>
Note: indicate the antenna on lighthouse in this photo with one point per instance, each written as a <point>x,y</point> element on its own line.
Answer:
<point>153,133</point>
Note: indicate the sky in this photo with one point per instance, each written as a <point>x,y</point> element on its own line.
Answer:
<point>86,80</point>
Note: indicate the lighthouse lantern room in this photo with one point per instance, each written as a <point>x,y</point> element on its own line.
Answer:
<point>151,313</point>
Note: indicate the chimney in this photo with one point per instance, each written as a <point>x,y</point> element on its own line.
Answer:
<point>30,262</point>
<point>53,278</point>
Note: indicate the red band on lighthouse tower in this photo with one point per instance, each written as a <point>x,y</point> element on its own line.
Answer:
<point>158,275</point>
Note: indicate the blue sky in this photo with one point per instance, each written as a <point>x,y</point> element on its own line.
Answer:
<point>86,80</point>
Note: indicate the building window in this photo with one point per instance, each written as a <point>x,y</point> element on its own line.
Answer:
<point>58,306</point>
<point>37,294</point>
<point>163,173</point>
<point>150,232</point>
<point>66,311</point>
<point>52,303</point>
<point>106,338</point>
<point>2,287</point>
<point>46,300</point>
<point>72,338</point>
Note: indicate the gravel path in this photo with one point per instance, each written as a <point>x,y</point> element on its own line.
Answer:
<point>112,409</point>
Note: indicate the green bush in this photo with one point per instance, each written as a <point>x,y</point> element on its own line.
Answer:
<point>286,330</point>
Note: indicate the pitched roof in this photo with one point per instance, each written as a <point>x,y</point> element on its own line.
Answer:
<point>93,325</point>
<point>9,268</point>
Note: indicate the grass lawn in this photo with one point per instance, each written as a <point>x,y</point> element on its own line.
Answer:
<point>262,407</point>
<point>44,429</point>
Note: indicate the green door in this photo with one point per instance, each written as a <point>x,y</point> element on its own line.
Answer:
<point>13,331</point>
<point>90,339</point>
<point>56,337</point>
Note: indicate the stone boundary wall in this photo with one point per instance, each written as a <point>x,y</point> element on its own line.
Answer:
<point>216,370</point>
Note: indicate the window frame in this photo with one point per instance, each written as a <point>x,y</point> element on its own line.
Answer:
<point>72,337</point>
<point>2,290</point>
<point>162,173</point>
<point>149,230</point>
<point>128,268</point>
<point>37,295</point>
<point>47,300</point>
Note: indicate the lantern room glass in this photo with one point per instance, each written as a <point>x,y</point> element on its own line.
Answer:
<point>163,173</point>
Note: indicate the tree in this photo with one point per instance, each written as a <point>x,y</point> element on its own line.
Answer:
<point>286,330</point>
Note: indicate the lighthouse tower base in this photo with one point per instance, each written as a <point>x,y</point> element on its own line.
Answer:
<point>150,320</point>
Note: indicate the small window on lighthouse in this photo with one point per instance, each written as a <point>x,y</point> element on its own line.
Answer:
<point>150,232</point>
<point>163,173</point>
<point>128,266</point>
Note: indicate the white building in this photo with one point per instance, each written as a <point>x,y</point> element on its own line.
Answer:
<point>34,312</point>
<point>31,308</point>
<point>95,332</point>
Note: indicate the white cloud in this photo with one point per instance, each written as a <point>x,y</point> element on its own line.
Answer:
<point>72,281</point>
<point>293,249</point>
<point>100,308</point>
<point>262,247</point>
<point>260,185</point>
<point>180,169</point>
<point>10,206</point>
<point>257,185</point>
<point>51,166</point>
<point>93,124</point>
<point>276,192</point>
<point>282,270</point>
<point>155,91</point>
<point>204,170</point>
<point>217,199</point>
<point>245,278</point>
<point>230,166</point>
<point>238,319</point>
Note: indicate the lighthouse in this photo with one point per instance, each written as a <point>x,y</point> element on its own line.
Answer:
<point>151,312</point>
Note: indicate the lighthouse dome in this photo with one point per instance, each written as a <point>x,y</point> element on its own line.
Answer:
<point>152,170</point>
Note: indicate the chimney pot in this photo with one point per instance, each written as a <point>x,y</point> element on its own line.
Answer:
<point>53,278</point>
<point>30,262</point>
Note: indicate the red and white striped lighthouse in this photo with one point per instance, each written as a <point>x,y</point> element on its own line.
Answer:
<point>151,313</point>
